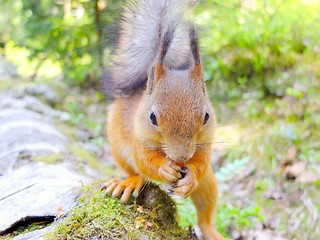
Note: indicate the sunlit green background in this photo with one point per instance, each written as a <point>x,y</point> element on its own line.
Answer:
<point>262,67</point>
<point>247,45</point>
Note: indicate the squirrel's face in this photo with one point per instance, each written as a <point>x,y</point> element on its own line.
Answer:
<point>179,114</point>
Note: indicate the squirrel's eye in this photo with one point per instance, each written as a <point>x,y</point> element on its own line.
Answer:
<point>153,119</point>
<point>206,118</point>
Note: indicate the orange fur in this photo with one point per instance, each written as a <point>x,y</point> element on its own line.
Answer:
<point>206,205</point>
<point>164,131</point>
<point>159,71</point>
<point>138,148</point>
<point>197,71</point>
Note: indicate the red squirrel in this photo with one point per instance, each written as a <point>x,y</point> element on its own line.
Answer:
<point>161,123</point>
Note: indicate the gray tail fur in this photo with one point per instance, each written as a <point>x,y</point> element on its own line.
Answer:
<point>142,25</point>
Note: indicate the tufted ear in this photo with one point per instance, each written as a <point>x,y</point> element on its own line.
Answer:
<point>196,69</point>
<point>196,72</point>
<point>156,73</point>
<point>158,70</point>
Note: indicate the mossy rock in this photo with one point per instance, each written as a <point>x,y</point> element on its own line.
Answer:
<point>151,216</point>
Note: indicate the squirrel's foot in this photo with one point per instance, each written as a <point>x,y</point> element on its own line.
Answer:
<point>131,186</point>
<point>209,233</point>
<point>170,172</point>
<point>185,186</point>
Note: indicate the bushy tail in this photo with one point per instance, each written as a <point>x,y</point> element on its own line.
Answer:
<point>142,25</point>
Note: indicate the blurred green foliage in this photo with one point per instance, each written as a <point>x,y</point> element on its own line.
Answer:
<point>68,32</point>
<point>246,44</point>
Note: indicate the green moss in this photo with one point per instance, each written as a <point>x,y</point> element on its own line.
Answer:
<point>67,130</point>
<point>4,84</point>
<point>151,216</point>
<point>50,159</point>
<point>90,160</point>
<point>24,229</point>
<point>84,155</point>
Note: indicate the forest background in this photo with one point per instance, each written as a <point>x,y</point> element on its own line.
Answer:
<point>262,67</point>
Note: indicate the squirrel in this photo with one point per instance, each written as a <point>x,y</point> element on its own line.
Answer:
<point>161,123</point>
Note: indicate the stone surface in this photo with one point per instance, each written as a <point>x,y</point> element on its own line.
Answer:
<point>44,91</point>
<point>7,70</point>
<point>35,235</point>
<point>38,190</point>
<point>31,103</point>
<point>25,131</point>
<point>33,190</point>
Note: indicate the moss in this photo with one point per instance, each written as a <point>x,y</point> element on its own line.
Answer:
<point>68,130</point>
<point>50,159</point>
<point>4,84</point>
<point>151,216</point>
<point>24,229</point>
<point>90,160</point>
<point>84,155</point>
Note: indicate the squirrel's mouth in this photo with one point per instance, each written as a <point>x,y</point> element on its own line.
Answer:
<point>181,156</point>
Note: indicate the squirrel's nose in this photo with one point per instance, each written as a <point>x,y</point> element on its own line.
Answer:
<point>181,156</point>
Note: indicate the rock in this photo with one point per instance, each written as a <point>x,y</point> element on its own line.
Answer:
<point>34,235</point>
<point>89,147</point>
<point>44,91</point>
<point>31,103</point>
<point>23,130</point>
<point>7,70</point>
<point>101,217</point>
<point>38,190</point>
<point>33,190</point>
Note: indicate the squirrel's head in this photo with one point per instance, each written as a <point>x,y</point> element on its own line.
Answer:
<point>177,112</point>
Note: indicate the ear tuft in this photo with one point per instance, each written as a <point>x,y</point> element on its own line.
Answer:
<point>194,45</point>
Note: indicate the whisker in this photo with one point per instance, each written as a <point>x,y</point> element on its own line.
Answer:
<point>147,141</point>
<point>144,186</point>
<point>149,147</point>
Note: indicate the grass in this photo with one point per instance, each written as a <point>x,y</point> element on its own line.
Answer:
<point>264,132</point>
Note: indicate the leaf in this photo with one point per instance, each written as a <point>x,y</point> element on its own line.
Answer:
<point>233,169</point>
<point>139,221</point>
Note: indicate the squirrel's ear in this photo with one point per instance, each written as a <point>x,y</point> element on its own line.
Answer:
<point>197,76</point>
<point>159,71</point>
<point>196,69</point>
<point>196,72</point>
<point>156,73</point>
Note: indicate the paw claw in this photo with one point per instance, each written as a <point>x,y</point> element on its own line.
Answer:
<point>124,189</point>
<point>174,185</point>
<point>185,186</point>
<point>118,190</point>
<point>107,184</point>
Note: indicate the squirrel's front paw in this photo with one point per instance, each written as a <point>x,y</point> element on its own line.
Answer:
<point>170,172</point>
<point>124,189</point>
<point>186,185</point>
